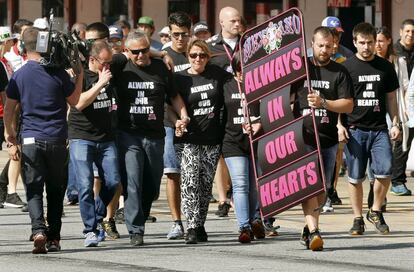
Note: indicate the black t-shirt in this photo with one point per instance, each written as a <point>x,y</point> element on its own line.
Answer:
<point>180,60</point>
<point>372,81</point>
<point>93,123</point>
<point>141,93</point>
<point>333,82</point>
<point>235,141</point>
<point>203,97</point>
<point>180,64</point>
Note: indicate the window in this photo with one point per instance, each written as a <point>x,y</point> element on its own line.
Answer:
<point>191,7</point>
<point>258,11</point>
<point>112,11</point>
<point>3,12</point>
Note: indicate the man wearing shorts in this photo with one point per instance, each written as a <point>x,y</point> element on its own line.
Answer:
<point>367,137</point>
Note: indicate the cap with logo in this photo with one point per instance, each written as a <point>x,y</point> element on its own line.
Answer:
<point>200,27</point>
<point>145,20</point>
<point>115,31</point>
<point>332,22</point>
<point>6,34</point>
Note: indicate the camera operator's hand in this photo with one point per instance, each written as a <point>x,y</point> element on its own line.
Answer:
<point>104,76</point>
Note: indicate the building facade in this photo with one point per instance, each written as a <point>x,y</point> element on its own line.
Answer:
<point>378,12</point>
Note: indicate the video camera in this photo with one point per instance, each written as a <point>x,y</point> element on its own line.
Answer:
<point>60,50</point>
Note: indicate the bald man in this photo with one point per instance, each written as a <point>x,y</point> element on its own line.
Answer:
<point>224,45</point>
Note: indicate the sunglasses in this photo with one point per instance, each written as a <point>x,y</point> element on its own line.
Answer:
<point>164,35</point>
<point>183,35</point>
<point>138,51</point>
<point>195,55</point>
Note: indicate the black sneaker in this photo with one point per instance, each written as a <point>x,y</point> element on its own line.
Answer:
<point>119,216</point>
<point>315,241</point>
<point>25,208</point>
<point>1,206</point>
<point>201,234</point>
<point>137,239</point>
<point>53,246</point>
<point>151,219</point>
<point>110,228</point>
<point>14,201</point>
<point>3,192</point>
<point>304,237</point>
<point>335,200</point>
<point>223,209</point>
<point>358,227</point>
<point>377,219</point>
<point>191,237</point>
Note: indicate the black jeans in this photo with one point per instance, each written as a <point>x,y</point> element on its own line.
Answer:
<point>399,162</point>
<point>43,163</point>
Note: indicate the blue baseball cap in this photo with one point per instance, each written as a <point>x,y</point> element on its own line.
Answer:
<point>332,22</point>
<point>115,31</point>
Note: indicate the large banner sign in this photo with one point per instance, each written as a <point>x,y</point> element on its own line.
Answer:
<point>287,166</point>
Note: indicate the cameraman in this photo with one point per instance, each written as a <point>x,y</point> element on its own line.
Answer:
<point>42,94</point>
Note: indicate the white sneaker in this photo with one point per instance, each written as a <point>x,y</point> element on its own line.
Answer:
<point>328,206</point>
<point>176,232</point>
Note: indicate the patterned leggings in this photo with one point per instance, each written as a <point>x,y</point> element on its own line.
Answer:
<point>198,166</point>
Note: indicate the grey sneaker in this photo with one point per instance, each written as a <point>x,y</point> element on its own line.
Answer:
<point>13,201</point>
<point>377,219</point>
<point>176,232</point>
<point>91,240</point>
<point>137,239</point>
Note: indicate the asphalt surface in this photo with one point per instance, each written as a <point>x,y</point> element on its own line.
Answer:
<point>342,252</point>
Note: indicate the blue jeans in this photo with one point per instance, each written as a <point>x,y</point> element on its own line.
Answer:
<point>72,189</point>
<point>83,154</point>
<point>142,159</point>
<point>372,145</point>
<point>329,159</point>
<point>43,163</point>
<point>171,164</point>
<point>244,189</point>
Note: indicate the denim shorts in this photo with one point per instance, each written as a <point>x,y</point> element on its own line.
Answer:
<point>171,164</point>
<point>368,144</point>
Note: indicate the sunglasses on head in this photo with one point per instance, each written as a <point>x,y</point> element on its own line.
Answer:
<point>137,51</point>
<point>178,34</point>
<point>195,55</point>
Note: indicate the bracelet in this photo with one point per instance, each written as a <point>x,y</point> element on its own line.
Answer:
<point>324,104</point>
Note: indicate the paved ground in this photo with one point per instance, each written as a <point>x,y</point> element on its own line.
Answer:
<point>370,252</point>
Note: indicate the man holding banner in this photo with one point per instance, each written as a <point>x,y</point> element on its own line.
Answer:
<point>375,82</point>
<point>331,93</point>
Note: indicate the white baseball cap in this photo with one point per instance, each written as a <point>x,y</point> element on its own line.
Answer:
<point>41,23</point>
<point>6,34</point>
<point>164,30</point>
